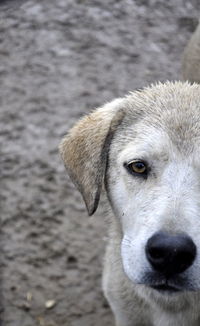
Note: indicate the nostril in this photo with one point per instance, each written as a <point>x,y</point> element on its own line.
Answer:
<point>185,259</point>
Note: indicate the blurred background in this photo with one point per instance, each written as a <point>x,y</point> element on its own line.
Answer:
<point>58,60</point>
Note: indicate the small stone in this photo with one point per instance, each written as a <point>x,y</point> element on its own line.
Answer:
<point>29,296</point>
<point>50,304</point>
<point>41,321</point>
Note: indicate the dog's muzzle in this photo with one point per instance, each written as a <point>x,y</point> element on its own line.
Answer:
<point>169,256</point>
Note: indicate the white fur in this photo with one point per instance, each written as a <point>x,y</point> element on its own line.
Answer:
<point>168,200</point>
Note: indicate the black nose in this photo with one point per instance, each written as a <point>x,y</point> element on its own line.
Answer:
<point>170,254</point>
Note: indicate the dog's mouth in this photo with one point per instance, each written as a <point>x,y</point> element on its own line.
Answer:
<point>165,288</point>
<point>168,286</point>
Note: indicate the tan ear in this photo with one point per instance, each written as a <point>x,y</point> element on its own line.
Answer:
<point>84,150</point>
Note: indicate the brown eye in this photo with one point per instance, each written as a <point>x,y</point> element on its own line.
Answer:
<point>137,168</point>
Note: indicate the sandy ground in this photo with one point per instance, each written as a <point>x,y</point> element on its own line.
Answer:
<point>58,60</point>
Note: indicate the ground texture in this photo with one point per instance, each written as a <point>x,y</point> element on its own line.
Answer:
<point>58,60</point>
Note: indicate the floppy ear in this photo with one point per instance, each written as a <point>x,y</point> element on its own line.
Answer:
<point>85,148</point>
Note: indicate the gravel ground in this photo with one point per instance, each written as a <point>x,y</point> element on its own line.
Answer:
<point>58,60</point>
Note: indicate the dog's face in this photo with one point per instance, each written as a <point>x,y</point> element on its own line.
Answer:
<point>154,188</point>
<point>148,148</point>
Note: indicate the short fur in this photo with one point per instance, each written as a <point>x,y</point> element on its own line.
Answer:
<point>161,125</point>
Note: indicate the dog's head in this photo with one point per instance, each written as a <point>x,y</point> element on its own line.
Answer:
<point>146,147</point>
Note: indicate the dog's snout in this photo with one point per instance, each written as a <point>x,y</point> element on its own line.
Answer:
<point>170,254</point>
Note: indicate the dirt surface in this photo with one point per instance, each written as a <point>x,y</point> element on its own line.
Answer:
<point>58,60</point>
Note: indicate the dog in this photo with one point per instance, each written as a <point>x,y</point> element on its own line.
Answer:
<point>145,149</point>
<point>191,58</point>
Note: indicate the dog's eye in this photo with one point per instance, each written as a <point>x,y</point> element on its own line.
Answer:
<point>137,168</point>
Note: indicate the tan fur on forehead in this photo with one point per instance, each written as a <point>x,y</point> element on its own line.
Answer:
<point>162,95</point>
<point>170,105</point>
